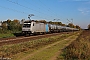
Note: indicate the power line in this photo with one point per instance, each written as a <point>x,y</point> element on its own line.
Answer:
<point>13,10</point>
<point>42,6</point>
<point>48,8</point>
<point>18,11</point>
<point>25,7</point>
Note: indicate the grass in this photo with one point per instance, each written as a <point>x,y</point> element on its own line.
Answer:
<point>46,54</point>
<point>21,55</point>
<point>6,35</point>
<point>9,50</point>
<point>49,52</point>
<point>31,46</point>
<point>79,49</point>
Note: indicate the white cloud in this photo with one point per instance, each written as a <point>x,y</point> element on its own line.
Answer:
<point>84,11</point>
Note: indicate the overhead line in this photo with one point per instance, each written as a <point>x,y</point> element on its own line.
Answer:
<point>13,10</point>
<point>18,11</point>
<point>47,8</point>
<point>44,9</point>
<point>24,6</point>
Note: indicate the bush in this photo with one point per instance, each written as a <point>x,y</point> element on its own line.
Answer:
<point>79,49</point>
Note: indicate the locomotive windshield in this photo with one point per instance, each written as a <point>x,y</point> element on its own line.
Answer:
<point>26,25</point>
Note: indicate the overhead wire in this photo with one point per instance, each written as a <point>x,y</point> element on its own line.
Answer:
<point>13,10</point>
<point>17,11</point>
<point>39,7</point>
<point>26,7</point>
<point>49,9</point>
<point>45,8</point>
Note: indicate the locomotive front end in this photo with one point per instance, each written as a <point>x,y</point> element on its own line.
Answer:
<point>26,28</point>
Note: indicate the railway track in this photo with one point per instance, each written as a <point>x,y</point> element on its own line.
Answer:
<point>14,40</point>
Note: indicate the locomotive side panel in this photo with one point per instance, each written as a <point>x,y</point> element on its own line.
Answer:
<point>38,27</point>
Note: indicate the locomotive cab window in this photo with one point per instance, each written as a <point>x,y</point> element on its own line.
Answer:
<point>26,25</point>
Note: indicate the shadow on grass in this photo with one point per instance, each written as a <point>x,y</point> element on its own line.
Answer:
<point>18,34</point>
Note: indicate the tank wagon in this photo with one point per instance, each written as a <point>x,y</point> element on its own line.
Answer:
<point>32,27</point>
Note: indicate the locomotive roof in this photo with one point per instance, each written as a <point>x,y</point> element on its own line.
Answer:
<point>29,21</point>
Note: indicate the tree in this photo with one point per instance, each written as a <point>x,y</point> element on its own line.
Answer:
<point>78,27</point>
<point>14,25</point>
<point>4,26</point>
<point>16,21</point>
<point>89,27</point>
<point>59,23</point>
<point>8,21</point>
<point>71,25</point>
<point>63,25</point>
<point>42,21</point>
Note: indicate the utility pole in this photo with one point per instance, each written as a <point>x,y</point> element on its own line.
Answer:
<point>56,20</point>
<point>72,23</point>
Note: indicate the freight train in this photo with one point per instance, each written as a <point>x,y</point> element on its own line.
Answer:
<point>32,27</point>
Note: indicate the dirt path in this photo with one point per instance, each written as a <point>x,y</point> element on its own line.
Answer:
<point>58,53</point>
<point>51,45</point>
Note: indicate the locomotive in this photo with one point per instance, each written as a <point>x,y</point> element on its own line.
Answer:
<point>33,27</point>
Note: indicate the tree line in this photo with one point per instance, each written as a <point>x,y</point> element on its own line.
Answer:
<point>10,26</point>
<point>60,23</point>
<point>69,25</point>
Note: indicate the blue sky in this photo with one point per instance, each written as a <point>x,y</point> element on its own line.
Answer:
<point>78,10</point>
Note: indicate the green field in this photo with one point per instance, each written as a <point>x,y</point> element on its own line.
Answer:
<point>6,35</point>
<point>44,48</point>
